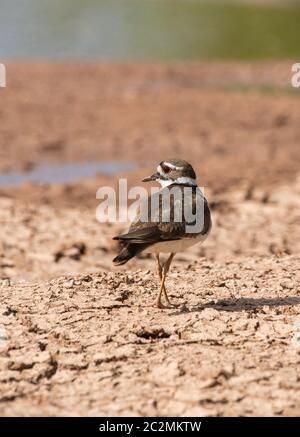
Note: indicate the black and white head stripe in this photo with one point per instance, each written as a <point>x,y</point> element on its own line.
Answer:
<point>176,171</point>
<point>172,166</point>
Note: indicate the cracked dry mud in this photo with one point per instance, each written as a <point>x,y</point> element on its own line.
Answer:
<point>86,345</point>
<point>75,335</point>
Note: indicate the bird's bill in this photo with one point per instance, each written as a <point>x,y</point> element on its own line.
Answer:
<point>154,177</point>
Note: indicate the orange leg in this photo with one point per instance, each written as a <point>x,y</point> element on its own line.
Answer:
<point>162,273</point>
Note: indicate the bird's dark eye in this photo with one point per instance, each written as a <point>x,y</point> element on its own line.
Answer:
<point>166,169</point>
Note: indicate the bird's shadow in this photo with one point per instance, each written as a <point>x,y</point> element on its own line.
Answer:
<point>242,304</point>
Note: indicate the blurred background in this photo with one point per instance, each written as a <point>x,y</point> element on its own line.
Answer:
<point>149,30</point>
<point>80,76</point>
<point>103,89</point>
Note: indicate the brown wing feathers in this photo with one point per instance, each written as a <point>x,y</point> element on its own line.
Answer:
<point>136,241</point>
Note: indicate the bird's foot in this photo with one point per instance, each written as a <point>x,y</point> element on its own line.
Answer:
<point>173,305</point>
<point>170,304</point>
<point>160,305</point>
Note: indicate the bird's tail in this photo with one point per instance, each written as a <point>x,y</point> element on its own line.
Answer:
<point>128,251</point>
<point>123,257</point>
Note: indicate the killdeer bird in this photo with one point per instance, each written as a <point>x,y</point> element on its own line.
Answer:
<point>167,228</point>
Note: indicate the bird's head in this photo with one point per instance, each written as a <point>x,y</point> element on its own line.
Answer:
<point>173,171</point>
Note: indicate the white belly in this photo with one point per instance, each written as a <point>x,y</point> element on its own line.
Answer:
<point>175,245</point>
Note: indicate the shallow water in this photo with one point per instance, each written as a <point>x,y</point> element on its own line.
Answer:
<point>148,29</point>
<point>63,173</point>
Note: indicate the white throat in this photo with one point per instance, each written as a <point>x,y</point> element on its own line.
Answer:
<point>179,181</point>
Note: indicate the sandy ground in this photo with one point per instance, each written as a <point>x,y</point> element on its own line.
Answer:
<point>75,335</point>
